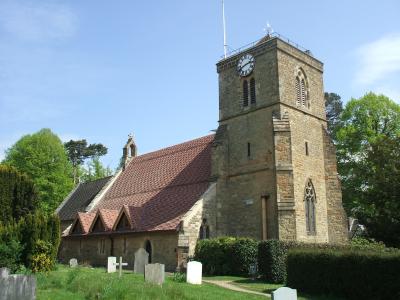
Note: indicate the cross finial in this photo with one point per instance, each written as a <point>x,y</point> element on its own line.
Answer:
<point>130,136</point>
<point>268,29</point>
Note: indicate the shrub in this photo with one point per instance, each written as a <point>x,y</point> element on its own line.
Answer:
<point>244,254</point>
<point>226,256</point>
<point>179,277</point>
<point>348,274</point>
<point>10,254</point>
<point>272,260</point>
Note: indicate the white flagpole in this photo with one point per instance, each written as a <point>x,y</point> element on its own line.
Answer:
<point>223,20</point>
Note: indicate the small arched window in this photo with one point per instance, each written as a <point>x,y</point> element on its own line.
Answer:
<point>252,91</point>
<point>245,93</point>
<point>310,199</point>
<point>301,86</point>
<point>149,250</point>
<point>204,232</point>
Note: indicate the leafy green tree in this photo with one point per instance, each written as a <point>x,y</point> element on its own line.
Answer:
<point>378,197</point>
<point>95,170</point>
<point>366,123</point>
<point>78,151</point>
<point>334,108</point>
<point>43,158</point>
<point>18,196</point>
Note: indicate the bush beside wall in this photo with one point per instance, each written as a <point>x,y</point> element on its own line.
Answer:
<point>226,256</point>
<point>272,260</point>
<point>348,274</point>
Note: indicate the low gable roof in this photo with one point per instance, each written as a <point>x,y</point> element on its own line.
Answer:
<point>80,198</point>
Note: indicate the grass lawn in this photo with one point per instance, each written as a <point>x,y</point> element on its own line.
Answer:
<point>89,283</point>
<point>263,287</point>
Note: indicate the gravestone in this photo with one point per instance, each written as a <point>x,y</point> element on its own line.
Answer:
<point>4,272</point>
<point>194,272</point>
<point>120,265</point>
<point>141,259</point>
<point>154,273</point>
<point>17,287</point>
<point>111,264</point>
<point>284,293</point>
<point>73,262</point>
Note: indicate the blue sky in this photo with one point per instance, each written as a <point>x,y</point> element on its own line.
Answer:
<point>103,69</point>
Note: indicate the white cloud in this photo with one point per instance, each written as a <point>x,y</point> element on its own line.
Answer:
<point>378,60</point>
<point>37,20</point>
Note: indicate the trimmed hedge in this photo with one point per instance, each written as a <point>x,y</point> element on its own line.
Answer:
<point>272,260</point>
<point>226,256</point>
<point>348,274</point>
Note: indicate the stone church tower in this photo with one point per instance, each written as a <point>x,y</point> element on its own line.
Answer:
<point>273,162</point>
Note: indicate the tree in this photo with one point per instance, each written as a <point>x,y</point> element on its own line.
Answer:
<point>378,201</point>
<point>18,196</point>
<point>78,151</point>
<point>95,170</point>
<point>43,158</point>
<point>334,108</point>
<point>366,123</point>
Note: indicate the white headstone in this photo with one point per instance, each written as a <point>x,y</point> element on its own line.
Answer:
<point>141,259</point>
<point>284,293</point>
<point>194,272</point>
<point>4,272</point>
<point>73,262</point>
<point>111,264</point>
<point>154,273</point>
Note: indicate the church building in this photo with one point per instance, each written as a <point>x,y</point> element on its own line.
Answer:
<point>269,172</point>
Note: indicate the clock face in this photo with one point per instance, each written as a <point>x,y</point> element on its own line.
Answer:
<point>246,65</point>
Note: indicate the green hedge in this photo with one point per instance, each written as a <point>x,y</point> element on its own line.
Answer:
<point>272,260</point>
<point>348,274</point>
<point>226,256</point>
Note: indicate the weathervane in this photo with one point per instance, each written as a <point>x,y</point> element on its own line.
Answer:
<point>224,28</point>
<point>268,29</point>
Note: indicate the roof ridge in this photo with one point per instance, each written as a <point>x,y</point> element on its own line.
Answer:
<point>173,152</point>
<point>98,179</point>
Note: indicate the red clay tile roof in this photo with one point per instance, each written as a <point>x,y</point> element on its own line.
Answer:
<point>158,188</point>
<point>85,219</point>
<point>108,216</point>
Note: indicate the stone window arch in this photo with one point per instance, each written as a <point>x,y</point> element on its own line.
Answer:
<point>204,232</point>
<point>302,89</point>
<point>149,250</point>
<point>309,202</point>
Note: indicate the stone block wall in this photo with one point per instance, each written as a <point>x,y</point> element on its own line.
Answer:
<point>87,248</point>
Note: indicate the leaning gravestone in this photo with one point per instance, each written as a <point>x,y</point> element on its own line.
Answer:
<point>194,272</point>
<point>111,264</point>
<point>141,259</point>
<point>154,273</point>
<point>284,293</point>
<point>17,287</point>
<point>73,262</point>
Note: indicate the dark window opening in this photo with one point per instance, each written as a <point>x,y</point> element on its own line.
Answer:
<point>204,230</point>
<point>252,91</point>
<point>102,247</point>
<point>248,150</point>
<point>123,223</point>
<point>149,250</point>
<point>124,246</point>
<point>77,228</point>
<point>98,226</point>
<point>306,147</point>
<point>245,93</point>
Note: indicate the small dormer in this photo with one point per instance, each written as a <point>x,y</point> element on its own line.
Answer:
<point>129,150</point>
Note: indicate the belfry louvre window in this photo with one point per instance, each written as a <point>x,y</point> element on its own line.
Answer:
<point>301,86</point>
<point>245,93</point>
<point>252,91</point>
<point>310,199</point>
